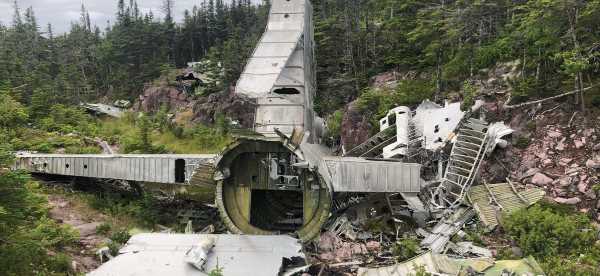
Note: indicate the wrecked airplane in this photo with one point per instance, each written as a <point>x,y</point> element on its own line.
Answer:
<point>285,180</point>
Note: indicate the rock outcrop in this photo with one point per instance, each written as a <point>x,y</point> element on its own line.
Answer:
<point>355,127</point>
<point>235,107</point>
<point>154,97</point>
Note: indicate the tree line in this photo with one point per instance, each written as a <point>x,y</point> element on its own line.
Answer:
<point>555,42</point>
<point>42,68</point>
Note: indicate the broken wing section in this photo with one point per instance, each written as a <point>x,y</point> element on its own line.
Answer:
<point>157,168</point>
<point>164,254</point>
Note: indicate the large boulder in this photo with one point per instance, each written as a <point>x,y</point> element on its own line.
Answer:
<point>234,106</point>
<point>593,163</point>
<point>154,97</point>
<point>569,201</point>
<point>541,179</point>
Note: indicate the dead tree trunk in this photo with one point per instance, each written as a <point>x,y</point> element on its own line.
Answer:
<point>574,14</point>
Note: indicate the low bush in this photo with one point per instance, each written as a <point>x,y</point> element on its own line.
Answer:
<point>522,142</point>
<point>405,249</point>
<point>121,236</point>
<point>104,229</point>
<point>563,240</point>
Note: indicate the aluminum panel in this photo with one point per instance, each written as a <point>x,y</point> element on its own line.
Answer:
<point>281,115</point>
<point>291,77</point>
<point>268,50</point>
<point>263,66</point>
<point>296,59</point>
<point>281,36</point>
<point>290,6</point>
<point>350,174</point>
<point>255,85</point>
<point>163,254</point>
<point>283,21</point>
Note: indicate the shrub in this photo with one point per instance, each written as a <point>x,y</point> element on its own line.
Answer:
<point>83,150</point>
<point>114,247</point>
<point>51,234</point>
<point>60,263</point>
<point>121,236</point>
<point>523,89</point>
<point>469,94</point>
<point>334,123</point>
<point>67,119</point>
<point>405,249</point>
<point>12,114</point>
<point>103,229</point>
<point>561,238</point>
<point>596,101</point>
<point>522,142</point>
<point>217,271</point>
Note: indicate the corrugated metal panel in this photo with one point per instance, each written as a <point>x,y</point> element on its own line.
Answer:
<point>350,174</point>
<point>158,168</point>
<point>489,201</point>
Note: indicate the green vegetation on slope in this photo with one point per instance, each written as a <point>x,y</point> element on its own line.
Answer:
<point>150,134</point>
<point>564,241</point>
<point>30,242</point>
<point>444,44</point>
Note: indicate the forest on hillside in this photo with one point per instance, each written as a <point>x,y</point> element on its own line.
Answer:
<point>445,45</point>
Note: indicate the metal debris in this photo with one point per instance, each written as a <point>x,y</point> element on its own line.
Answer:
<point>489,200</point>
<point>446,228</point>
<point>103,109</point>
<point>342,226</point>
<point>198,254</point>
<point>467,249</point>
<point>443,265</point>
<point>432,263</point>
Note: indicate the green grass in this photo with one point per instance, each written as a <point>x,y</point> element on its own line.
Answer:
<point>193,140</point>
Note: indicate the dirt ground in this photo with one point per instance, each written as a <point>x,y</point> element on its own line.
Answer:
<point>85,220</point>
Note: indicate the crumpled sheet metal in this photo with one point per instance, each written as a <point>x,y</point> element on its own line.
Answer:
<point>467,249</point>
<point>443,265</point>
<point>164,254</point>
<point>436,123</point>
<point>104,109</point>
<point>489,200</point>
<point>496,132</point>
<point>433,263</point>
<point>446,228</point>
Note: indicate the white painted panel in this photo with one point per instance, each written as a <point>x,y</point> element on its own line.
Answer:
<point>291,77</point>
<point>262,66</point>
<point>255,85</point>
<point>282,21</point>
<point>274,49</point>
<point>288,6</point>
<point>281,36</point>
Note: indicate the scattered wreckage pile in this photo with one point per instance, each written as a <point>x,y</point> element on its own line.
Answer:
<point>367,232</point>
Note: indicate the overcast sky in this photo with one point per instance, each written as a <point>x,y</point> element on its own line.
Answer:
<point>60,13</point>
